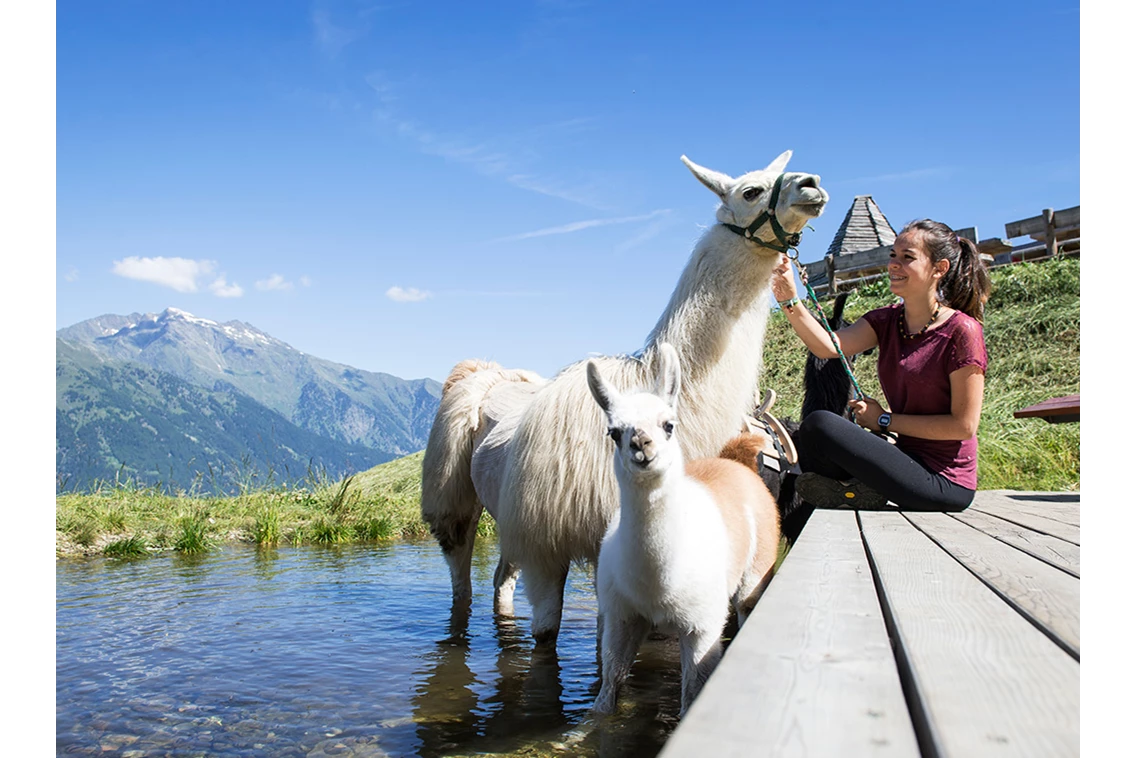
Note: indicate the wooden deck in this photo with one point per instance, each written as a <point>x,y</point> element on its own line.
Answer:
<point>908,634</point>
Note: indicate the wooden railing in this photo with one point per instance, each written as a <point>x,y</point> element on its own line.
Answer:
<point>1052,233</point>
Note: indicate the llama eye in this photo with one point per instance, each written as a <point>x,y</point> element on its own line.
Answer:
<point>614,433</point>
<point>668,428</point>
<point>750,194</point>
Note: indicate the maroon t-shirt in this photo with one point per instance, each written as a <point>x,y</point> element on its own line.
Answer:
<point>914,376</point>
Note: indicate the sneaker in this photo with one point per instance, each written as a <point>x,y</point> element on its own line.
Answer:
<point>823,492</point>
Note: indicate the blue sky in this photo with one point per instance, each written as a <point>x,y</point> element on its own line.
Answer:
<point>398,186</point>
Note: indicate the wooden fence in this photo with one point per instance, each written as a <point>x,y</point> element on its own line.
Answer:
<point>1051,233</point>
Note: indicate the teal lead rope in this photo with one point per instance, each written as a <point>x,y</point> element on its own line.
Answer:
<point>857,392</point>
<point>787,242</point>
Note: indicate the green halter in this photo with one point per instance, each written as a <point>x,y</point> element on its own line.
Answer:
<point>786,241</point>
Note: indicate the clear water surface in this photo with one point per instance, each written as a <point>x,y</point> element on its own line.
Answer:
<point>348,651</point>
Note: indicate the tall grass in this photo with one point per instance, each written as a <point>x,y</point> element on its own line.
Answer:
<point>267,525</point>
<point>192,533</point>
<point>127,547</point>
<point>1032,329</point>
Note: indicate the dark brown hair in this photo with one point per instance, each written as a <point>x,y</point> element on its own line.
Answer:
<point>966,285</point>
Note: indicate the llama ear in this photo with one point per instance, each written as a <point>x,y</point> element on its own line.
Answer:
<point>601,390</point>
<point>717,183</point>
<point>668,380</point>
<point>778,165</point>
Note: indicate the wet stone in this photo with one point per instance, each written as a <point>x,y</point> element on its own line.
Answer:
<point>117,741</point>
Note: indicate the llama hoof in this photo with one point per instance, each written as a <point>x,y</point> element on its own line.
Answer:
<point>545,637</point>
<point>605,705</point>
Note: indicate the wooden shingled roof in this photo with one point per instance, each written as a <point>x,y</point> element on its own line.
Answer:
<point>864,228</point>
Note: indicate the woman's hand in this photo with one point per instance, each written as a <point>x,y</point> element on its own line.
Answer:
<point>867,412</point>
<point>782,281</point>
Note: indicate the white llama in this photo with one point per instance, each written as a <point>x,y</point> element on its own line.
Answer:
<point>689,538</point>
<point>526,450</point>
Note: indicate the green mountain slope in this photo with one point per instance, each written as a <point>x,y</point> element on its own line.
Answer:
<point>342,403</point>
<point>116,418</point>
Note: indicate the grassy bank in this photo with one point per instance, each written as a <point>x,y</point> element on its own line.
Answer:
<point>123,520</point>
<point>1032,329</point>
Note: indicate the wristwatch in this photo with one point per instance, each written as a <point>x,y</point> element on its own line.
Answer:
<point>884,421</point>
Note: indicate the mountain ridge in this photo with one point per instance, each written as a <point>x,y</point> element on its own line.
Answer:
<point>333,399</point>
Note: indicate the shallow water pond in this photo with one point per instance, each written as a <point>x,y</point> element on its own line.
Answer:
<point>347,651</point>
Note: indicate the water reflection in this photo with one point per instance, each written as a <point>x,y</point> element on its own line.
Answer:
<point>524,705</point>
<point>518,700</point>
<point>313,652</point>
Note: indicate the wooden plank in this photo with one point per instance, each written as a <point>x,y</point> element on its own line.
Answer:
<point>1032,255</point>
<point>1068,217</point>
<point>1056,552</point>
<point>1022,515</point>
<point>875,258</point>
<point>1051,240</point>
<point>969,232</point>
<point>1055,410</point>
<point>1061,234</point>
<point>1037,224</point>
<point>812,671</point>
<point>816,272</point>
<point>846,284</point>
<point>1060,506</point>
<point>1047,595</point>
<point>986,681</point>
<point>994,245</point>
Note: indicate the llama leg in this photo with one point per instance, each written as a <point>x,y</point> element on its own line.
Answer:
<point>699,653</point>
<point>504,583</point>
<point>599,615</point>
<point>458,548</point>
<point>545,588</point>
<point>622,639</point>
<point>753,585</point>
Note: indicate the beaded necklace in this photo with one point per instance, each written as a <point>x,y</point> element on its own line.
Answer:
<point>903,323</point>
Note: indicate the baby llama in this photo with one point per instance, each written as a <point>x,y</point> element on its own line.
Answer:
<point>689,538</point>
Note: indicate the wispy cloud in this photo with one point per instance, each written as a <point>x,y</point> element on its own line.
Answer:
<point>407,295</point>
<point>484,156</point>
<point>71,275</point>
<point>577,226</point>
<point>580,195</point>
<point>221,288</point>
<point>920,173</point>
<point>649,232</point>
<point>496,293</point>
<point>274,282</point>
<point>329,37</point>
<point>305,281</point>
<point>179,274</point>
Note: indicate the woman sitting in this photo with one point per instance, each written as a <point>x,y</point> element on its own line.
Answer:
<point>931,364</point>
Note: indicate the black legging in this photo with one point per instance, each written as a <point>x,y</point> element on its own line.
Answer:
<point>835,447</point>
